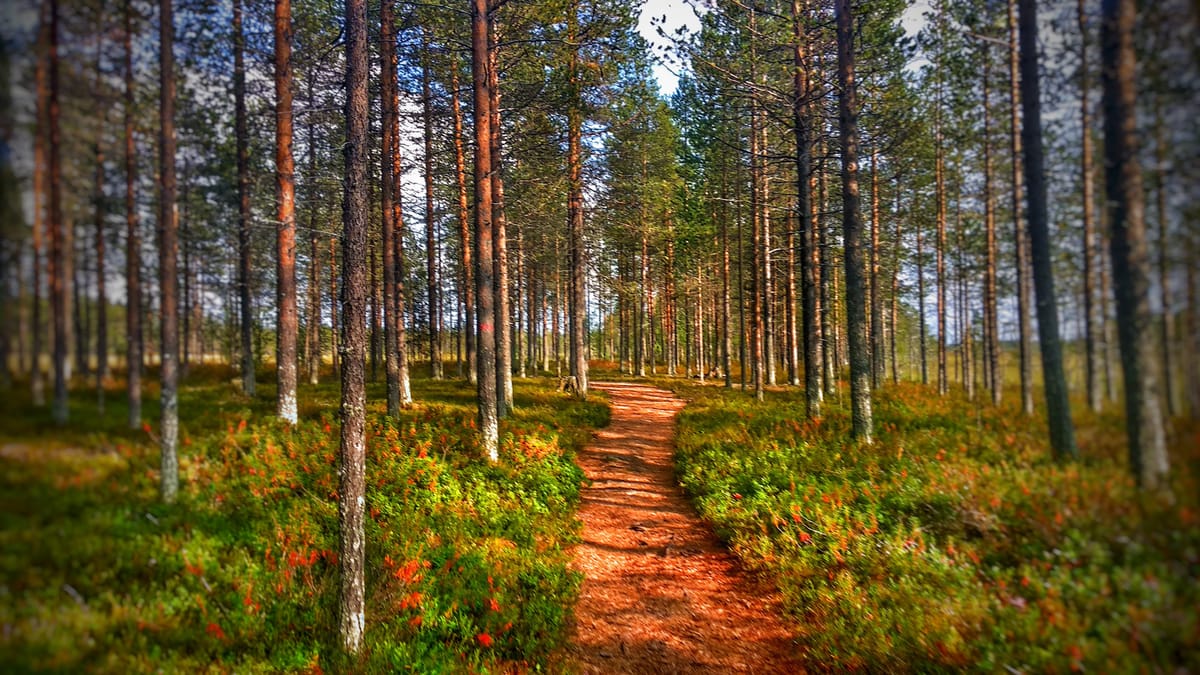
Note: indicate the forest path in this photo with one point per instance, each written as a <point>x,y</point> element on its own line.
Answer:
<point>660,594</point>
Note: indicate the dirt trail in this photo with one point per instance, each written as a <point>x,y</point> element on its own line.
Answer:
<point>660,594</point>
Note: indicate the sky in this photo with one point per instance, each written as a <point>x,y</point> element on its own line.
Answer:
<point>678,13</point>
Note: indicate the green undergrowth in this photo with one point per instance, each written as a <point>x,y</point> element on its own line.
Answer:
<point>954,541</point>
<point>466,562</point>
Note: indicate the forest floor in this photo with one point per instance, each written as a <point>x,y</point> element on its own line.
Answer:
<point>660,593</point>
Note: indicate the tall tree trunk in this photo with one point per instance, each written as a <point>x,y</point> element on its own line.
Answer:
<point>334,334</point>
<point>768,285</point>
<point>1166,320</point>
<point>793,348</point>
<point>398,292</point>
<point>825,283</point>
<point>578,288</point>
<point>877,364</point>
<point>352,470</point>
<point>726,336</point>
<point>940,217</point>
<point>921,305</point>
<point>1021,240</point>
<point>312,323</point>
<point>431,243</point>
<point>388,168</point>
<point>1054,379</point>
<point>1090,310</point>
<point>895,309</point>
<point>243,187</point>
<point>996,376</point>
<point>101,294</point>
<point>1130,258</point>
<point>856,311</point>
<point>485,296</point>
<point>504,332</point>
<point>468,272</point>
<point>285,289</point>
<point>58,293</point>
<point>757,261</point>
<point>168,252</point>
<point>41,140</point>
<point>133,240</point>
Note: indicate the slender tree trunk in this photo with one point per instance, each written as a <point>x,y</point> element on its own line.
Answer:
<point>940,242</point>
<point>1062,429</point>
<point>1130,258</point>
<point>726,336</point>
<point>877,354</point>
<point>286,333</point>
<point>578,305</point>
<point>995,376</point>
<point>100,207</point>
<point>757,261</point>
<point>243,186</point>
<point>825,282</point>
<point>1191,343</point>
<point>312,338</point>
<point>921,305</point>
<point>856,311</point>
<point>334,334</point>
<point>133,240</point>
<point>168,252</point>
<point>485,270</point>
<point>894,318</point>
<point>464,234</point>
<point>1021,240</point>
<point>499,237</point>
<point>40,199</point>
<point>352,469</point>
<point>793,348</point>
<point>1166,320</point>
<point>58,294</point>
<point>431,252</point>
<point>392,318</point>
<point>1090,319</point>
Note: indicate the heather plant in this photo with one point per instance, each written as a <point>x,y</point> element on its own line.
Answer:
<point>954,540</point>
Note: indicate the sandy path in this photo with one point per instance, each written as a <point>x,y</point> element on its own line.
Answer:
<point>660,594</point>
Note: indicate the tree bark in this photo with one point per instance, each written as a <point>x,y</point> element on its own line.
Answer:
<point>578,277</point>
<point>168,252</point>
<point>1090,310</point>
<point>389,167</point>
<point>860,359</point>
<point>243,187</point>
<point>351,469</point>
<point>1054,379</point>
<point>499,237</point>
<point>312,340</point>
<point>41,139</point>
<point>995,376</point>
<point>285,293</point>
<point>485,295</point>
<point>1020,236</point>
<point>468,272</point>
<point>1166,320</point>
<point>877,354</point>
<point>133,241</point>
<point>57,271</point>
<point>431,243</point>
<point>1130,258</point>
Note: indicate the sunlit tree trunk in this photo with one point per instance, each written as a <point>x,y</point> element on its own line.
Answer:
<point>351,470</point>
<point>992,346</point>
<point>877,353</point>
<point>285,293</point>
<point>856,310</point>
<point>578,279</point>
<point>312,340</point>
<point>40,199</point>
<point>503,308</point>
<point>485,292</point>
<point>168,251</point>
